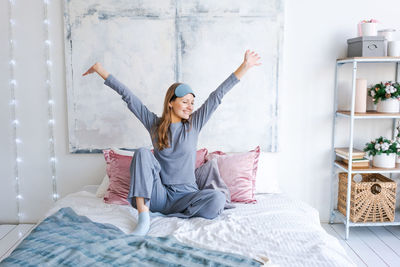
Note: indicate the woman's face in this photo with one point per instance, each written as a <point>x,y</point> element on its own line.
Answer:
<point>182,107</point>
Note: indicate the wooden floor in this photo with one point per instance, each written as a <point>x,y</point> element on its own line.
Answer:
<point>367,246</point>
<point>11,236</point>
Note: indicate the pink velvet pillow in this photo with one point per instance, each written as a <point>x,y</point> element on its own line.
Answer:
<point>201,157</point>
<point>118,170</point>
<point>238,170</point>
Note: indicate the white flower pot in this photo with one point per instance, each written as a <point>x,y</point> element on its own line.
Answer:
<point>390,105</point>
<point>384,161</point>
<point>369,29</point>
<point>397,159</point>
<point>393,48</point>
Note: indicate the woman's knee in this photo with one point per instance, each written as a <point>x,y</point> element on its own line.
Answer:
<point>143,157</point>
<point>215,205</point>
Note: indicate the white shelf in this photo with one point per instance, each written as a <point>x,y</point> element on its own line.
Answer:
<point>368,60</point>
<point>341,217</point>
<point>354,116</point>
<point>368,115</point>
<point>343,166</point>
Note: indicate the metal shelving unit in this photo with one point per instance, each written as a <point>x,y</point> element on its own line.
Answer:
<point>352,116</point>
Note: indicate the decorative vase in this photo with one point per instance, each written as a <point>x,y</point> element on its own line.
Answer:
<point>384,160</point>
<point>393,49</point>
<point>397,159</point>
<point>390,105</point>
<point>369,29</point>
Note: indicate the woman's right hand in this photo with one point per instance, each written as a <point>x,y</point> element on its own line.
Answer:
<point>97,68</point>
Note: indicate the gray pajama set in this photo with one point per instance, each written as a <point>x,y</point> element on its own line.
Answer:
<point>167,178</point>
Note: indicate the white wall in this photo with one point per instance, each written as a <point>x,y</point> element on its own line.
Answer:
<point>315,35</point>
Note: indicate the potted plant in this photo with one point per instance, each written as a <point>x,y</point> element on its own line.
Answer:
<point>398,141</point>
<point>386,96</point>
<point>383,151</point>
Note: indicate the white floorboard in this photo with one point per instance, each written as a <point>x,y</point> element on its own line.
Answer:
<point>350,252</point>
<point>11,240</point>
<point>384,252</point>
<point>5,229</point>
<point>395,230</point>
<point>369,246</point>
<point>388,238</point>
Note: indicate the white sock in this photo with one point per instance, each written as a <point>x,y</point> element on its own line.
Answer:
<point>143,224</point>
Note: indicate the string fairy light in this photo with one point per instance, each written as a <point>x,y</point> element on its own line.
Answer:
<point>51,121</point>
<point>13,106</point>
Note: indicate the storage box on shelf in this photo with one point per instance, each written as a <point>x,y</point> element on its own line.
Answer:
<point>373,199</point>
<point>366,46</point>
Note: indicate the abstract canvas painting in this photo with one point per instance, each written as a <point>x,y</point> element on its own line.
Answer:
<point>148,45</point>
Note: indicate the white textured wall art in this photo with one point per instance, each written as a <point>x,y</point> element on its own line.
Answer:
<point>150,44</point>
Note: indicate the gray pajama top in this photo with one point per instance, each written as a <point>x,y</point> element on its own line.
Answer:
<point>178,161</point>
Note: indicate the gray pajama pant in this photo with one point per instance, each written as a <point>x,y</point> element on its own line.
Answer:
<point>178,200</point>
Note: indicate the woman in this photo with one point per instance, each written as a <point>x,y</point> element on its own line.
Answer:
<point>165,182</point>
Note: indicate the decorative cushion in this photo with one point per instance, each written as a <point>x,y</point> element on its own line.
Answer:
<point>118,170</point>
<point>201,157</point>
<point>238,170</point>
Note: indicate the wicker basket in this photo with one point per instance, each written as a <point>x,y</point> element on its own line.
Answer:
<point>372,200</point>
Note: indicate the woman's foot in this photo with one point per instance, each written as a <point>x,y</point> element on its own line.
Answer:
<point>143,225</point>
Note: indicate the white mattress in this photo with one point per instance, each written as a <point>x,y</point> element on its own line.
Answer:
<point>285,231</point>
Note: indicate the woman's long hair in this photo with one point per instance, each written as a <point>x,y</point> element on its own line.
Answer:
<point>160,133</point>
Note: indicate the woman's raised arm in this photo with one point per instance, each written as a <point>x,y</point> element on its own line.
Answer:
<point>147,117</point>
<point>202,115</point>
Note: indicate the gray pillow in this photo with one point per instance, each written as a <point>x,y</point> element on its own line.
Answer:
<point>208,177</point>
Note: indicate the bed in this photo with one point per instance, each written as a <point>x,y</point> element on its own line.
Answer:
<point>276,231</point>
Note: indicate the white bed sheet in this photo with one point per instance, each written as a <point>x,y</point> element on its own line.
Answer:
<point>285,231</point>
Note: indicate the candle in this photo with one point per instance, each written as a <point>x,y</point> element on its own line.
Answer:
<point>361,95</point>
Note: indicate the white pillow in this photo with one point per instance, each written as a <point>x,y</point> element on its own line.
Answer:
<point>267,178</point>
<point>101,191</point>
<point>123,152</point>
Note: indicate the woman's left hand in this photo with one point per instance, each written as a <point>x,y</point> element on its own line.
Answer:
<point>251,59</point>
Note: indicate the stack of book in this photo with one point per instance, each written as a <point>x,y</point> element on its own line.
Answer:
<point>358,157</point>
